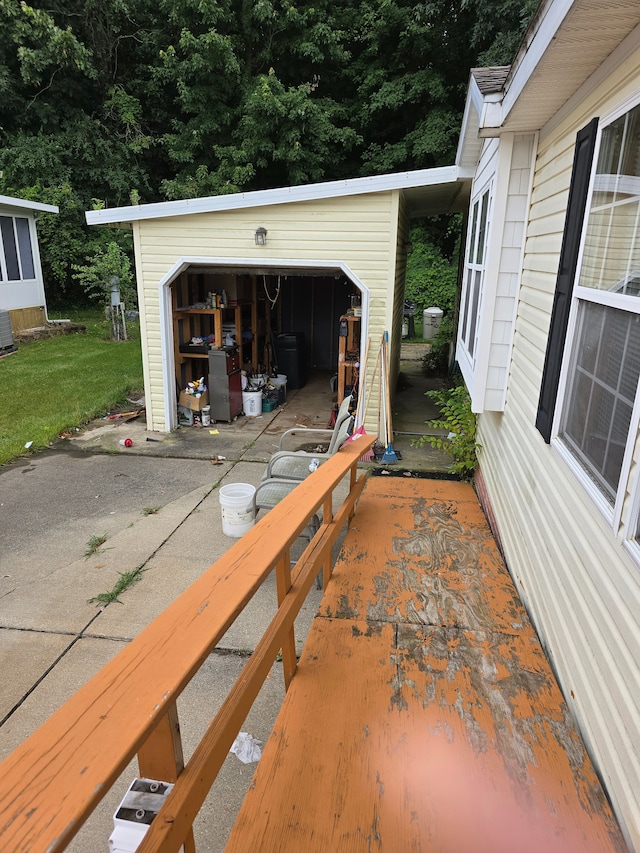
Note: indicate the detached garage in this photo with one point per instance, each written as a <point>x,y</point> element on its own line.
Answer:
<point>273,271</point>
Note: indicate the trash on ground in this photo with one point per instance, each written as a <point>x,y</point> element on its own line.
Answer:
<point>247,748</point>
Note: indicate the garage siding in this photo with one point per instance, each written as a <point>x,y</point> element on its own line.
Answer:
<point>578,581</point>
<point>359,231</point>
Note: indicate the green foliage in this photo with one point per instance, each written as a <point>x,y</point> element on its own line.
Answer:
<point>94,545</point>
<point>497,45</point>
<point>436,361</point>
<point>460,422</point>
<point>132,101</point>
<point>104,267</point>
<point>52,385</point>
<point>125,580</point>
<point>432,275</point>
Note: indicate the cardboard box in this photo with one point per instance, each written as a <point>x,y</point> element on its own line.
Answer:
<point>196,404</point>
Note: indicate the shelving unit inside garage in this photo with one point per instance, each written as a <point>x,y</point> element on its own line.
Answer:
<point>192,294</point>
<point>348,353</point>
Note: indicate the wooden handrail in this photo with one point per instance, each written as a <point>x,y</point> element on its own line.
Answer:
<point>52,782</point>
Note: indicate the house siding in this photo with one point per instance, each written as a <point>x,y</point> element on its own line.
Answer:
<point>399,273</point>
<point>359,231</point>
<point>578,581</point>
<point>505,165</point>
<point>20,294</point>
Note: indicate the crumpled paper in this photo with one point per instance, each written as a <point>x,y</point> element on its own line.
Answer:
<point>247,748</point>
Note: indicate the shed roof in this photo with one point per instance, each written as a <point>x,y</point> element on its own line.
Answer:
<point>428,192</point>
<point>10,201</point>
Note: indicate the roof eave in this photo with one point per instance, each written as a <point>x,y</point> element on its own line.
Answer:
<point>23,204</point>
<point>282,195</point>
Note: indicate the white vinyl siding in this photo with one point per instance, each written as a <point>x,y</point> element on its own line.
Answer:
<point>399,275</point>
<point>359,231</point>
<point>580,585</point>
<point>21,285</point>
<point>491,285</point>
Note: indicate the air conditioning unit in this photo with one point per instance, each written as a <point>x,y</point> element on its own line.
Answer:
<point>6,335</point>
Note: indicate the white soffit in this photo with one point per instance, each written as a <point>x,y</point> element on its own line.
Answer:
<point>566,43</point>
<point>428,191</point>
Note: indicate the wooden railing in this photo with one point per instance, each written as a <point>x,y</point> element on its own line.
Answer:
<point>52,782</point>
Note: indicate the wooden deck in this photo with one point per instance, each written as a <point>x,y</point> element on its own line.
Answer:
<point>424,715</point>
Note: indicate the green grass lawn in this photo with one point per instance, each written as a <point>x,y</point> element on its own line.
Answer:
<point>51,385</point>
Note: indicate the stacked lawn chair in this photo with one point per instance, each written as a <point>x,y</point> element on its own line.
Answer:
<point>287,468</point>
<point>294,464</point>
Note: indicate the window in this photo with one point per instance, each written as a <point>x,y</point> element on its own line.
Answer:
<point>474,271</point>
<point>603,380</point>
<point>604,362</point>
<point>16,255</point>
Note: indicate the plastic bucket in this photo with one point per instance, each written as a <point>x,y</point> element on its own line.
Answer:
<point>252,403</point>
<point>431,319</point>
<point>238,504</point>
<point>280,382</point>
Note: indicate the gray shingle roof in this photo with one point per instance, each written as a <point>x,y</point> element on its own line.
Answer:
<point>491,80</point>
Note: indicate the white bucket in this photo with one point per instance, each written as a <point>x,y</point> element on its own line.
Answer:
<point>431,319</point>
<point>237,501</point>
<point>280,382</point>
<point>252,403</point>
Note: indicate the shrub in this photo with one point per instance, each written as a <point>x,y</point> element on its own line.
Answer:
<point>460,422</point>
<point>104,266</point>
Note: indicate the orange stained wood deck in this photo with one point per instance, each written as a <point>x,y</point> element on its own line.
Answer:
<point>424,715</point>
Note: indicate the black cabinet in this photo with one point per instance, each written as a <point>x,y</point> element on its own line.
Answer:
<point>291,359</point>
<point>225,384</point>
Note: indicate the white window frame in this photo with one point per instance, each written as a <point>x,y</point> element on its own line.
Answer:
<point>476,268</point>
<point>4,279</point>
<point>612,512</point>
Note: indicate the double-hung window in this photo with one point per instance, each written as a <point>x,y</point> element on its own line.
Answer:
<point>474,272</point>
<point>16,253</point>
<point>597,421</point>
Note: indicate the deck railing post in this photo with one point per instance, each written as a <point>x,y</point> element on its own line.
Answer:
<point>160,757</point>
<point>283,585</point>
<point>352,481</point>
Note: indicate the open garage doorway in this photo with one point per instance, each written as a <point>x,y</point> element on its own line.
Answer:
<point>280,320</point>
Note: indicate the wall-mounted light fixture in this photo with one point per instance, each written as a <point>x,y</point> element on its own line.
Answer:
<point>261,236</point>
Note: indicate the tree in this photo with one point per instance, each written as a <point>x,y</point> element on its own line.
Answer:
<point>153,99</point>
<point>431,272</point>
<point>498,28</point>
<point>105,267</point>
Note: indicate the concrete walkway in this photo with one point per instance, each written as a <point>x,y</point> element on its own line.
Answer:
<point>156,506</point>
